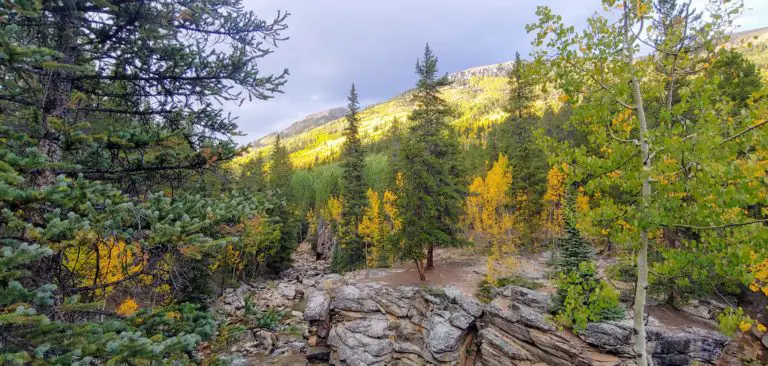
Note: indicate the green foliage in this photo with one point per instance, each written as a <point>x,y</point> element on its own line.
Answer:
<point>109,173</point>
<point>434,179</point>
<point>573,249</point>
<point>521,90</point>
<point>172,333</point>
<point>736,77</point>
<point>269,319</point>
<point>280,169</point>
<point>582,298</point>
<point>732,321</point>
<point>350,253</point>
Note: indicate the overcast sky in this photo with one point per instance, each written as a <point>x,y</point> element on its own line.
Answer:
<point>375,44</point>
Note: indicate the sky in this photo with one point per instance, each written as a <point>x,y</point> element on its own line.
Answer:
<point>375,44</point>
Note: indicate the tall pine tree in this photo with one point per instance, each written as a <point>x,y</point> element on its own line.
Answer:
<point>434,179</point>
<point>280,168</point>
<point>280,173</point>
<point>521,95</point>
<point>351,254</point>
<point>514,139</point>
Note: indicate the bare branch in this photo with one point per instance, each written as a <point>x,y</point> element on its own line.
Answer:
<point>750,128</point>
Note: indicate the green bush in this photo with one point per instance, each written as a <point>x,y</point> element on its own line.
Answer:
<point>582,298</point>
<point>731,321</point>
<point>269,319</point>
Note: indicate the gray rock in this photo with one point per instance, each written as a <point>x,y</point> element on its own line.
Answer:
<point>318,306</point>
<point>611,337</point>
<point>528,297</point>
<point>443,337</point>
<point>287,290</point>
<point>470,305</point>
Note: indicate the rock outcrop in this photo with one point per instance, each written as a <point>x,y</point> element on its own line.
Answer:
<point>374,324</point>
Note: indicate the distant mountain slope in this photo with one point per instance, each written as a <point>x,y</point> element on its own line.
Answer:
<point>305,124</point>
<point>477,94</point>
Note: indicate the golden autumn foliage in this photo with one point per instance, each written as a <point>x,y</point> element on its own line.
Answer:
<point>102,263</point>
<point>332,211</point>
<point>379,221</point>
<point>256,240</point>
<point>554,199</point>
<point>489,219</point>
<point>127,307</point>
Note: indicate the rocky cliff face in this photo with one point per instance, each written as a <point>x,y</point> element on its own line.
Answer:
<point>374,324</point>
<point>496,70</point>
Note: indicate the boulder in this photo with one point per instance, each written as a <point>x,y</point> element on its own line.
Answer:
<point>318,306</point>
<point>287,290</point>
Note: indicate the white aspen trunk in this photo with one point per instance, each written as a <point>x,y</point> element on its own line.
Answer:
<point>642,253</point>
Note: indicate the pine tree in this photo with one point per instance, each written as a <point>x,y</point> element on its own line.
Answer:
<point>434,180</point>
<point>280,168</point>
<point>252,175</point>
<point>514,138</point>
<point>282,209</point>
<point>521,92</point>
<point>573,248</point>
<point>352,254</point>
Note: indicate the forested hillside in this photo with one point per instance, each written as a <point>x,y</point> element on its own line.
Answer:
<point>612,168</point>
<point>476,94</point>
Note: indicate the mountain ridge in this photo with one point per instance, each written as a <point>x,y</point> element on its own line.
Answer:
<point>317,137</point>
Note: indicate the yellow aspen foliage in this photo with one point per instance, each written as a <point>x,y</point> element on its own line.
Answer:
<point>102,262</point>
<point>760,275</point>
<point>745,326</point>
<point>390,210</point>
<point>554,199</point>
<point>371,228</point>
<point>380,219</point>
<point>127,307</point>
<point>332,211</point>
<point>489,219</point>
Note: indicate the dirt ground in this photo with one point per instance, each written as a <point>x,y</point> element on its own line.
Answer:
<point>464,269</point>
<point>455,267</point>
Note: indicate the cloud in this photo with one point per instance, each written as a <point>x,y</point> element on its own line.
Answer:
<point>375,44</point>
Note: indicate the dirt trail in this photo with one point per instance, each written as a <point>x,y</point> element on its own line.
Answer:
<point>464,275</point>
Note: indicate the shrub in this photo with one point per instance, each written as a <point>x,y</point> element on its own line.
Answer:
<point>731,321</point>
<point>583,298</point>
<point>269,319</point>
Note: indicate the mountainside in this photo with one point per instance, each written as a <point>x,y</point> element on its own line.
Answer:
<point>476,94</point>
<point>303,125</point>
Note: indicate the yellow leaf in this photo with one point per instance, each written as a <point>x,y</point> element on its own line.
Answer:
<point>745,326</point>
<point>127,308</point>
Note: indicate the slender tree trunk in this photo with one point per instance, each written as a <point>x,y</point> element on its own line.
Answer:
<point>420,268</point>
<point>56,98</point>
<point>430,257</point>
<point>642,254</point>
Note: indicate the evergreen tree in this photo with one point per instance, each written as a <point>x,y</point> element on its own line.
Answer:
<point>282,209</point>
<point>573,248</point>
<point>521,92</point>
<point>114,81</point>
<point>351,254</point>
<point>737,77</point>
<point>252,176</point>
<point>514,138</point>
<point>280,168</point>
<point>434,180</point>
